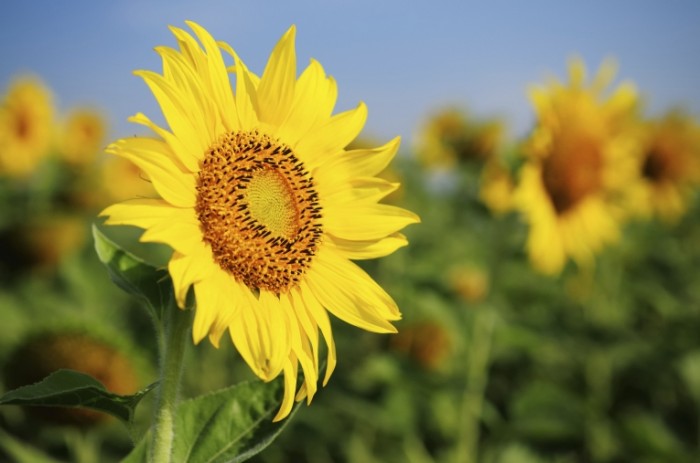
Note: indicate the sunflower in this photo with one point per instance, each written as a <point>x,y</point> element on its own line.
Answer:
<point>450,138</point>
<point>579,157</point>
<point>121,179</point>
<point>669,165</point>
<point>496,187</point>
<point>82,137</point>
<point>263,206</point>
<point>26,124</point>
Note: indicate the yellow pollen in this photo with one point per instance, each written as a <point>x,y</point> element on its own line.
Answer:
<point>271,202</point>
<point>258,210</point>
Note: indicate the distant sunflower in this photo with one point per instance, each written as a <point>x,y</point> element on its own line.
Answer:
<point>669,167</point>
<point>263,206</point>
<point>580,153</point>
<point>450,138</point>
<point>496,187</point>
<point>440,137</point>
<point>121,179</point>
<point>26,125</point>
<point>82,137</point>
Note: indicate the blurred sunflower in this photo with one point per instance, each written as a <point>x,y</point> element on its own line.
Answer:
<point>263,206</point>
<point>49,350</point>
<point>470,282</point>
<point>121,179</point>
<point>669,166</point>
<point>82,137</point>
<point>427,342</point>
<point>26,126</point>
<point>580,154</point>
<point>496,187</point>
<point>450,137</point>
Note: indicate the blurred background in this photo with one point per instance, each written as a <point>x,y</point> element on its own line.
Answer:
<point>505,354</point>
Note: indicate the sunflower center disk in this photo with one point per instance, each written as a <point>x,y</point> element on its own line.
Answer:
<point>271,203</point>
<point>572,172</point>
<point>660,165</point>
<point>258,210</point>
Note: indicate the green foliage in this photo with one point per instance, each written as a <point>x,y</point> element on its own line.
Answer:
<point>132,274</point>
<point>226,426</point>
<point>66,388</point>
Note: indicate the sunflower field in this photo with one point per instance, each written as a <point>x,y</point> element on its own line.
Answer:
<point>549,309</point>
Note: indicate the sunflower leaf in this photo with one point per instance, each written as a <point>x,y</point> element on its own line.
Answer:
<point>68,388</point>
<point>132,274</point>
<point>226,426</point>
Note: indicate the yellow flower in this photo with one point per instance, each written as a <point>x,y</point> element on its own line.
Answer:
<point>26,124</point>
<point>427,342</point>
<point>450,137</point>
<point>580,154</point>
<point>496,187</point>
<point>263,206</point>
<point>669,167</point>
<point>470,282</point>
<point>121,180</point>
<point>82,137</point>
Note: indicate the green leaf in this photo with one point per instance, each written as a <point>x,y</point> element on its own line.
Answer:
<point>227,426</point>
<point>134,275</point>
<point>21,452</point>
<point>68,388</point>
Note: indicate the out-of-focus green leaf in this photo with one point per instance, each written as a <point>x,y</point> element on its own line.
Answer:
<point>67,388</point>
<point>689,368</point>
<point>649,437</point>
<point>21,452</point>
<point>133,275</point>
<point>516,453</point>
<point>140,453</point>
<point>547,412</point>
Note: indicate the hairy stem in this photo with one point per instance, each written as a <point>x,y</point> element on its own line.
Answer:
<point>177,324</point>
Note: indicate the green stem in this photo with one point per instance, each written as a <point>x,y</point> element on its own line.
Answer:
<point>177,326</point>
<point>477,376</point>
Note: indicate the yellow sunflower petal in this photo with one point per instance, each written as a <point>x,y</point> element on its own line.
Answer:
<point>332,136</point>
<point>182,113</point>
<point>360,190</point>
<point>319,315</point>
<point>300,347</point>
<point>181,233</point>
<point>215,306</point>
<point>367,222</point>
<point>142,213</point>
<point>246,97</point>
<point>313,85</point>
<point>359,250</point>
<point>186,270</point>
<point>361,162</point>
<point>290,383</point>
<point>261,335</point>
<point>276,89</point>
<point>174,185</point>
<point>351,296</point>
<point>182,75</point>
<point>217,77</point>
<point>189,160</point>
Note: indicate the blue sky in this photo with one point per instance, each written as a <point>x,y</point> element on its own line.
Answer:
<point>404,59</point>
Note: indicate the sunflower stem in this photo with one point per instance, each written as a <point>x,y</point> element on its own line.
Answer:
<point>177,324</point>
<point>477,376</point>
